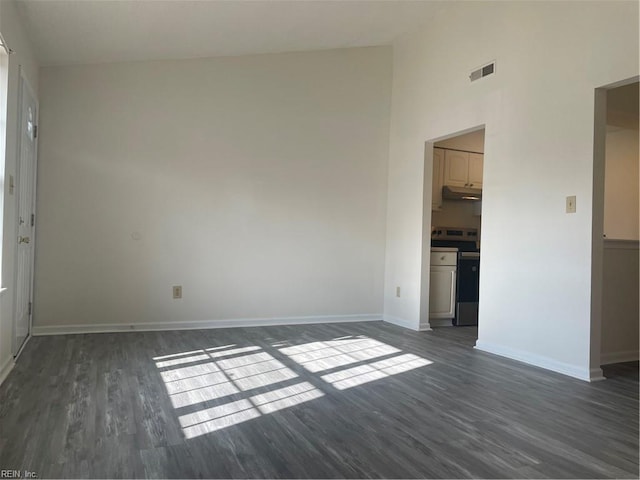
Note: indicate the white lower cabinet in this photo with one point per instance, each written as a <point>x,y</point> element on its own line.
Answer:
<point>442,284</point>
<point>442,292</point>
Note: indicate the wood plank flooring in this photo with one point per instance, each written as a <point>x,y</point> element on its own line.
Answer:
<point>358,400</point>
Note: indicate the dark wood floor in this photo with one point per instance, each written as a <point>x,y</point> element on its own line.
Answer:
<point>320,401</point>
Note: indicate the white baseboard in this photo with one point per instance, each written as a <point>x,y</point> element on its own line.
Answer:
<point>200,324</point>
<point>619,357</point>
<point>6,368</point>
<point>401,322</point>
<point>22,347</point>
<point>540,361</point>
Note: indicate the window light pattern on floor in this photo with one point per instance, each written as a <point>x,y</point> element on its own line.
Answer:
<point>218,387</point>
<point>329,355</point>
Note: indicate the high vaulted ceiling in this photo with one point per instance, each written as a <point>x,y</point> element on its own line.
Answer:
<point>89,31</point>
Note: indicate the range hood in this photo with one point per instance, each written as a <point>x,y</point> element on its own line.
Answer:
<point>461,193</point>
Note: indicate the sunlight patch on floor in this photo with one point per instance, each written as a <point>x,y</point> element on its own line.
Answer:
<point>216,418</point>
<point>203,394</point>
<point>320,356</point>
<point>352,377</point>
<point>217,352</point>
<point>236,371</point>
<point>218,387</point>
<point>275,400</point>
<point>184,373</point>
<point>232,413</point>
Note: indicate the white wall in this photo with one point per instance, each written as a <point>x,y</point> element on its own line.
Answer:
<point>257,183</point>
<point>24,57</point>
<point>539,114</point>
<point>622,174</point>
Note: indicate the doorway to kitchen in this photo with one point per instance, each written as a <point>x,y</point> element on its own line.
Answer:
<point>454,168</point>
<point>617,238</point>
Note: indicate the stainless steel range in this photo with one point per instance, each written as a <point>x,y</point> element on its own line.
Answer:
<point>465,240</point>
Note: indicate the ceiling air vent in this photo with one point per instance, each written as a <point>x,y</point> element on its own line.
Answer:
<point>486,70</point>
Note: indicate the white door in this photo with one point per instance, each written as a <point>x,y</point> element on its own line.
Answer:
<point>25,197</point>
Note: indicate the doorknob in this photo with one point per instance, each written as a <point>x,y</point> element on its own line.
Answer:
<point>23,239</point>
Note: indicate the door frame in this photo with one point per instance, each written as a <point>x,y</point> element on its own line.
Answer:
<point>597,222</point>
<point>24,84</point>
<point>427,187</point>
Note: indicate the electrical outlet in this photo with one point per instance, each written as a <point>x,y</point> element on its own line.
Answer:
<point>571,204</point>
<point>177,291</point>
<point>397,291</point>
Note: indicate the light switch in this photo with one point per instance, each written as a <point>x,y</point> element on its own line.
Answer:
<point>571,204</point>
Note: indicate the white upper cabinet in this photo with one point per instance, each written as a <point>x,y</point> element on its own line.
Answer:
<point>476,161</point>
<point>456,168</point>
<point>463,169</point>
<point>438,174</point>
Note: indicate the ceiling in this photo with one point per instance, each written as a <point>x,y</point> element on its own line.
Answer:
<point>89,31</point>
